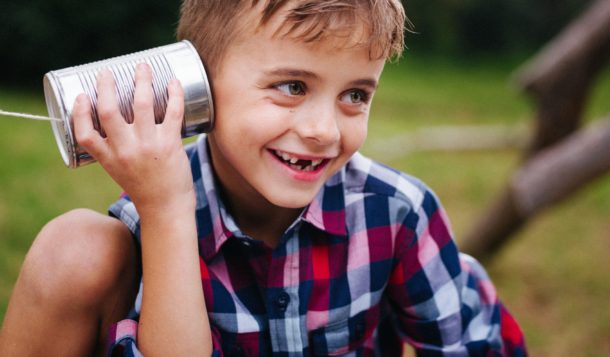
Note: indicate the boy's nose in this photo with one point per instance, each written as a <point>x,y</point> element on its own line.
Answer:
<point>320,125</point>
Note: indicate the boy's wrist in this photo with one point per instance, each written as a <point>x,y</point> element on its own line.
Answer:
<point>164,207</point>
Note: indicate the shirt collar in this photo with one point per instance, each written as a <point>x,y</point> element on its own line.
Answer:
<point>326,212</point>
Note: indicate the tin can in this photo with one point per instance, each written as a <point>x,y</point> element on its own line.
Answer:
<point>175,61</point>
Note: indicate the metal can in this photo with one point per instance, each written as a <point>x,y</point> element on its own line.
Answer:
<point>175,61</point>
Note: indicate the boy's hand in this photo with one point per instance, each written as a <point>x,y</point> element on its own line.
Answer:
<point>146,159</point>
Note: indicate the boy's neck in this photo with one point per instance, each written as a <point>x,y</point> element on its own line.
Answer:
<point>261,220</point>
<point>253,213</point>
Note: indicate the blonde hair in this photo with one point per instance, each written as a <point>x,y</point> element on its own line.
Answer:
<point>212,25</point>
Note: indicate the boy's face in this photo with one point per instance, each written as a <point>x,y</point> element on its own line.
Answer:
<point>289,115</point>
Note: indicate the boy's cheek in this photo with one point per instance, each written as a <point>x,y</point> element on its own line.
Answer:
<point>355,135</point>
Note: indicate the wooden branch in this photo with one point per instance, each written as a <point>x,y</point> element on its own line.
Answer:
<point>579,43</point>
<point>551,176</point>
<point>491,231</point>
<point>561,170</point>
<point>559,79</point>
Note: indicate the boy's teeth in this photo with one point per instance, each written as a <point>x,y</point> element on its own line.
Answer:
<point>293,160</point>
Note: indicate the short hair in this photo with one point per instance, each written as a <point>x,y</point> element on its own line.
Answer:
<point>212,25</point>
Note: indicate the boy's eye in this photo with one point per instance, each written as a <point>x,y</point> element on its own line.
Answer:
<point>292,88</point>
<point>356,96</point>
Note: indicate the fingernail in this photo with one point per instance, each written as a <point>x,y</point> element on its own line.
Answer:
<point>143,67</point>
<point>104,73</point>
<point>82,98</point>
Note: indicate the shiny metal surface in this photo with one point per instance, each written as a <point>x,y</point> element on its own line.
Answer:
<point>179,60</point>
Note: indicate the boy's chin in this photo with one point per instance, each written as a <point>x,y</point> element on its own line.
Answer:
<point>292,201</point>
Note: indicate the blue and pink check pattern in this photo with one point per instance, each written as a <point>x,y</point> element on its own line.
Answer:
<point>369,264</point>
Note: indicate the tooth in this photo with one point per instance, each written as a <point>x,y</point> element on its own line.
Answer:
<point>316,162</point>
<point>293,160</point>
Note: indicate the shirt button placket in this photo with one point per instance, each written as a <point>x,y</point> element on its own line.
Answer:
<point>359,330</point>
<point>236,351</point>
<point>282,300</point>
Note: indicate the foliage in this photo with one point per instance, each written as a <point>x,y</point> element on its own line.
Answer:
<point>464,27</point>
<point>41,35</point>
<point>553,276</point>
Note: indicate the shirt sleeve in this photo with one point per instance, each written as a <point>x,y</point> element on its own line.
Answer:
<point>443,300</point>
<point>122,339</point>
<point>123,336</point>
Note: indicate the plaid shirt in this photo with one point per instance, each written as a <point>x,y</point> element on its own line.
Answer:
<point>368,265</point>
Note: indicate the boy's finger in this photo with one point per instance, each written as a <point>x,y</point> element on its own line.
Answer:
<point>111,119</point>
<point>85,133</point>
<point>174,114</point>
<point>143,101</point>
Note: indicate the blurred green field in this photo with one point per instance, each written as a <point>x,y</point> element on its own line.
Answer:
<point>554,275</point>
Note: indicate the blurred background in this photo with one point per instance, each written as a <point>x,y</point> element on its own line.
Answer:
<point>454,82</point>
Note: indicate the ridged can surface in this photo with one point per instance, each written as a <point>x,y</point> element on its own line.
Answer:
<point>175,61</point>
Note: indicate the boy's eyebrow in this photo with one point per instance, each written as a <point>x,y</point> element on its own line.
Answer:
<point>293,72</point>
<point>365,83</point>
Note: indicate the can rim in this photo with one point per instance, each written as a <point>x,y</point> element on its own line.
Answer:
<point>62,130</point>
<point>207,82</point>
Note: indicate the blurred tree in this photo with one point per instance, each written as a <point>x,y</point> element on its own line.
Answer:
<point>560,158</point>
<point>41,35</point>
<point>463,27</point>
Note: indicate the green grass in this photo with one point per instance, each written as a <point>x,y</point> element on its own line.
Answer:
<point>553,275</point>
<point>35,186</point>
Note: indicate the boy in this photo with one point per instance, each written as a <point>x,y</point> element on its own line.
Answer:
<point>300,245</point>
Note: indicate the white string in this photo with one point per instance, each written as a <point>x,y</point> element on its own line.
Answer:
<point>27,116</point>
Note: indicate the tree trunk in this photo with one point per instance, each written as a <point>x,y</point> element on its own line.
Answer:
<point>562,169</point>
<point>552,175</point>
<point>560,77</point>
<point>559,80</point>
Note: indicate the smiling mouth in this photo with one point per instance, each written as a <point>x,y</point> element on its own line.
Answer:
<point>296,163</point>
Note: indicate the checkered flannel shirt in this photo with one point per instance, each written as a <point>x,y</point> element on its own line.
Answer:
<point>369,264</point>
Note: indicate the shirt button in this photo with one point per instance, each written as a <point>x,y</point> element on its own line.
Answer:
<point>282,300</point>
<point>359,330</point>
<point>236,351</point>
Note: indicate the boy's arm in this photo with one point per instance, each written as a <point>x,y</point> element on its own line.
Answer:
<point>173,319</point>
<point>444,302</point>
<point>149,163</point>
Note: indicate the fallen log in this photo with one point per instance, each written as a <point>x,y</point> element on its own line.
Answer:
<point>559,80</point>
<point>551,176</point>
